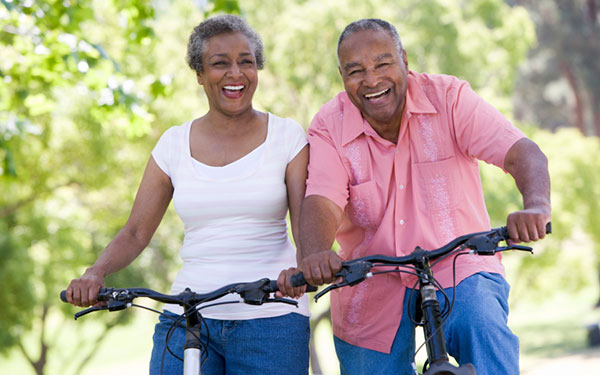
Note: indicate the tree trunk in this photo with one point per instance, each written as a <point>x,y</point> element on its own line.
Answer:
<point>39,364</point>
<point>572,79</point>
<point>592,10</point>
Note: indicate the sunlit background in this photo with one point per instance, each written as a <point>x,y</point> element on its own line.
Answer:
<point>87,87</point>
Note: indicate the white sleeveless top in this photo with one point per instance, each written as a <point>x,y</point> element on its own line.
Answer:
<point>233,216</point>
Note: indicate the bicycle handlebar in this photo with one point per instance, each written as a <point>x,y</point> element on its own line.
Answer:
<point>253,293</point>
<point>482,243</point>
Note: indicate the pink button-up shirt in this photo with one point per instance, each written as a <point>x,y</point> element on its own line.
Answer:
<point>425,190</point>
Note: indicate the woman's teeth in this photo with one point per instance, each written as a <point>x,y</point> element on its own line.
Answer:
<point>234,88</point>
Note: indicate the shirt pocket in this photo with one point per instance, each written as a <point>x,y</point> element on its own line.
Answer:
<point>439,190</point>
<point>365,205</point>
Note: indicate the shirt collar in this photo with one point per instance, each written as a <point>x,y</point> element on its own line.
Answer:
<point>353,124</point>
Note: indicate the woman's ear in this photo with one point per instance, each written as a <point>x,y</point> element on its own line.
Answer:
<point>199,78</point>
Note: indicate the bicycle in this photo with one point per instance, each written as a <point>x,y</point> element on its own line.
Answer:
<point>419,264</point>
<point>253,293</point>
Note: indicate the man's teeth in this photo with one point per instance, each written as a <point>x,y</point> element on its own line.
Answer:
<point>234,88</point>
<point>380,93</point>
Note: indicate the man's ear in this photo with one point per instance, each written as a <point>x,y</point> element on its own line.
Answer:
<point>404,58</point>
<point>199,78</point>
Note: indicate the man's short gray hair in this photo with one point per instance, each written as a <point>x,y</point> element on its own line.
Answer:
<point>370,24</point>
<point>218,25</point>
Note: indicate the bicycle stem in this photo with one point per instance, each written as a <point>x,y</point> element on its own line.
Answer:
<point>430,307</point>
<point>192,350</point>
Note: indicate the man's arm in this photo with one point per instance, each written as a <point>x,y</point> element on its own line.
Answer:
<point>528,165</point>
<point>319,221</point>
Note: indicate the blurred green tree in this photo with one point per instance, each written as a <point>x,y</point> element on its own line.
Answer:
<point>80,89</point>
<point>86,88</point>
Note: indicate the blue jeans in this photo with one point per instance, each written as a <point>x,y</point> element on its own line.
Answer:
<point>276,345</point>
<point>476,332</point>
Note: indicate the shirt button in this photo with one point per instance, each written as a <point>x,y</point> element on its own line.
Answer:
<point>401,187</point>
<point>401,222</point>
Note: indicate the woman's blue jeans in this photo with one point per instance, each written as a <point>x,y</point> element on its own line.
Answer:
<point>476,332</point>
<point>276,345</point>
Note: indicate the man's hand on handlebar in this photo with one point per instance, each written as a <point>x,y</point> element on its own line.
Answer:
<point>527,225</point>
<point>320,268</point>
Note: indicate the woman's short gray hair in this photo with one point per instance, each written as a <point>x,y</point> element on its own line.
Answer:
<point>370,24</point>
<point>218,25</point>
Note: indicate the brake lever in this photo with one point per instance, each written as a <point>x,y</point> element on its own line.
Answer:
<point>328,289</point>
<point>283,300</point>
<point>81,313</point>
<point>111,305</point>
<point>351,273</point>
<point>515,247</point>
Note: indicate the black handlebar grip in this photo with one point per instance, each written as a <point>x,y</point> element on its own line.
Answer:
<point>298,279</point>
<point>272,286</point>
<point>63,296</point>
<point>309,288</point>
<point>549,228</point>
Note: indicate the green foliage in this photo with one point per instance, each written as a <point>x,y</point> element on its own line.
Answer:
<point>75,120</point>
<point>574,165</point>
<point>88,86</point>
<point>481,41</point>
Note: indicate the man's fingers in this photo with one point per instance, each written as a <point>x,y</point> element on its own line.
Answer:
<point>326,273</point>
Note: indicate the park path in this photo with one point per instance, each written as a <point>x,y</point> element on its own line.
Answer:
<point>585,362</point>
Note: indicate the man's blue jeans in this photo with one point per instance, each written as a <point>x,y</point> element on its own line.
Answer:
<point>476,333</point>
<point>276,345</point>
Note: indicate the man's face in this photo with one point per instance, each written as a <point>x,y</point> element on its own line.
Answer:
<point>374,72</point>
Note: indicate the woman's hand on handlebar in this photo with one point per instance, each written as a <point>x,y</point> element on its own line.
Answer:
<point>284,284</point>
<point>527,225</point>
<point>84,290</point>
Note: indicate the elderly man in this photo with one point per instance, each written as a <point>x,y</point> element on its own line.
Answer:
<point>393,165</point>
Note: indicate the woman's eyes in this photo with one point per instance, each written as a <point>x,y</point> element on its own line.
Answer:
<point>226,63</point>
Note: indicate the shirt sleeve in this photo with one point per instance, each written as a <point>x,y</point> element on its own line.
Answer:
<point>327,176</point>
<point>162,151</point>
<point>482,132</point>
<point>296,137</point>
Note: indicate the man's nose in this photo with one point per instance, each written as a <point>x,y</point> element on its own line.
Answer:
<point>371,78</point>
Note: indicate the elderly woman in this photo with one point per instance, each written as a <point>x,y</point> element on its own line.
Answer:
<point>232,174</point>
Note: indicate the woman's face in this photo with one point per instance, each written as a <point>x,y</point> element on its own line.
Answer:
<point>230,75</point>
